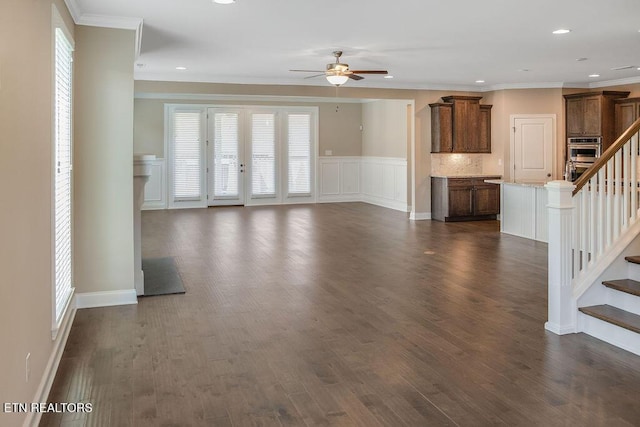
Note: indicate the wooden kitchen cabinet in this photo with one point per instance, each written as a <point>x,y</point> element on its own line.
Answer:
<point>627,111</point>
<point>592,114</point>
<point>464,199</point>
<point>460,125</point>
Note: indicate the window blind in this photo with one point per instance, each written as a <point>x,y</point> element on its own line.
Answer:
<point>62,170</point>
<point>226,161</point>
<point>187,158</point>
<point>263,154</point>
<point>299,155</point>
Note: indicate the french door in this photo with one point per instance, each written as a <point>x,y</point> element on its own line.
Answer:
<point>225,151</point>
<point>250,156</point>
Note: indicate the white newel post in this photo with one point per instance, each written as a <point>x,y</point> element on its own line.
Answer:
<point>141,174</point>
<point>562,309</point>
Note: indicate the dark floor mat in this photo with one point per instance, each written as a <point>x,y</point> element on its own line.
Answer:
<point>161,277</point>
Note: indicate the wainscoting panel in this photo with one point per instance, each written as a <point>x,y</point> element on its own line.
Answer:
<point>380,181</point>
<point>155,190</point>
<point>384,182</point>
<point>339,179</point>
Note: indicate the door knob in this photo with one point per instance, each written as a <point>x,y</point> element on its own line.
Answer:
<point>548,175</point>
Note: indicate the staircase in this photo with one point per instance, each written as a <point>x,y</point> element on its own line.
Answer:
<point>617,320</point>
<point>594,239</point>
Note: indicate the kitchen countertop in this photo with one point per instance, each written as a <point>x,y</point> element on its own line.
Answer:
<point>476,175</point>
<point>520,183</point>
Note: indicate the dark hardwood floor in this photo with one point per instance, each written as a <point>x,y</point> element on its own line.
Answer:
<point>340,314</point>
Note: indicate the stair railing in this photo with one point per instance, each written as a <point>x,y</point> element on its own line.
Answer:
<point>588,221</point>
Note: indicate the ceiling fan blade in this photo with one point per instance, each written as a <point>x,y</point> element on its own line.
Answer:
<point>316,75</point>
<point>355,77</point>
<point>369,71</point>
<point>308,71</point>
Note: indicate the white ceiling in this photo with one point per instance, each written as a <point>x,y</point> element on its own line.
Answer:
<point>422,43</point>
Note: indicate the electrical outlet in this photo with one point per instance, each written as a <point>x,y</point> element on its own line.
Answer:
<point>27,367</point>
<point>328,152</point>
<point>499,162</point>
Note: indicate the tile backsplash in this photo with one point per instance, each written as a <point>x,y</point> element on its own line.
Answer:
<point>456,164</point>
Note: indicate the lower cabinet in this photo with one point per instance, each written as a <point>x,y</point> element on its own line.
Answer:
<point>464,199</point>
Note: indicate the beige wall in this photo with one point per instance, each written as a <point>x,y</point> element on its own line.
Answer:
<point>522,101</point>
<point>384,128</point>
<point>103,174</point>
<point>339,123</point>
<point>26,187</point>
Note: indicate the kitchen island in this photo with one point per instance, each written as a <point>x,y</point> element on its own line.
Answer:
<point>523,209</point>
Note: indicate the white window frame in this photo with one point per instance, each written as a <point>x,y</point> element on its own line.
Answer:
<point>58,317</point>
<point>170,110</point>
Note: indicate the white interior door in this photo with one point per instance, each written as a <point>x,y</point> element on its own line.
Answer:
<point>532,147</point>
<point>226,165</point>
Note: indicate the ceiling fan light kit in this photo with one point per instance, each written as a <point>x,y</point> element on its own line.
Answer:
<point>338,73</point>
<point>337,79</point>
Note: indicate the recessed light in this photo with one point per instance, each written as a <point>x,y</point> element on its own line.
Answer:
<point>561,31</point>
<point>181,68</point>
<point>594,75</point>
<point>224,1</point>
<point>479,81</point>
<point>638,68</point>
<point>388,77</point>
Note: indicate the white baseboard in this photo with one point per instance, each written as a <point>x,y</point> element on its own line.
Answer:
<point>106,299</point>
<point>42,393</point>
<point>419,216</point>
<point>560,330</point>
<point>338,198</point>
<point>385,203</point>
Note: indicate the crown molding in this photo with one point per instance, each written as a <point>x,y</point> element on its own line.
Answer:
<point>74,9</point>
<point>207,78</point>
<point>534,85</point>
<point>120,22</point>
<point>618,82</point>
<point>256,98</point>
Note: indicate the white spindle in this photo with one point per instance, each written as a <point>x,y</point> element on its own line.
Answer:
<point>609,211</point>
<point>617,185</point>
<point>634,177</point>
<point>626,176</point>
<point>575,223</point>
<point>584,224</point>
<point>592,217</point>
<point>601,210</point>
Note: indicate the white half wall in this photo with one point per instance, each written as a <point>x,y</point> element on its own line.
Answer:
<point>155,191</point>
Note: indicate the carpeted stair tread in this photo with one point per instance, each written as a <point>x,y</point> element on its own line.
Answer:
<point>633,259</point>
<point>614,315</point>
<point>624,285</point>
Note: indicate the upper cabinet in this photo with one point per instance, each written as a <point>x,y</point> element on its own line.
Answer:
<point>592,114</point>
<point>460,125</point>
<point>627,112</point>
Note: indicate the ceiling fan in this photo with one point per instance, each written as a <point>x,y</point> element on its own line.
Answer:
<point>338,73</point>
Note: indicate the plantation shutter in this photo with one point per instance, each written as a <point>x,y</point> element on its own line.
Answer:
<point>187,157</point>
<point>299,155</point>
<point>263,155</point>
<point>226,156</point>
<point>62,171</point>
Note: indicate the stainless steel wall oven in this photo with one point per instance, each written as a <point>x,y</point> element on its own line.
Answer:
<point>582,152</point>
